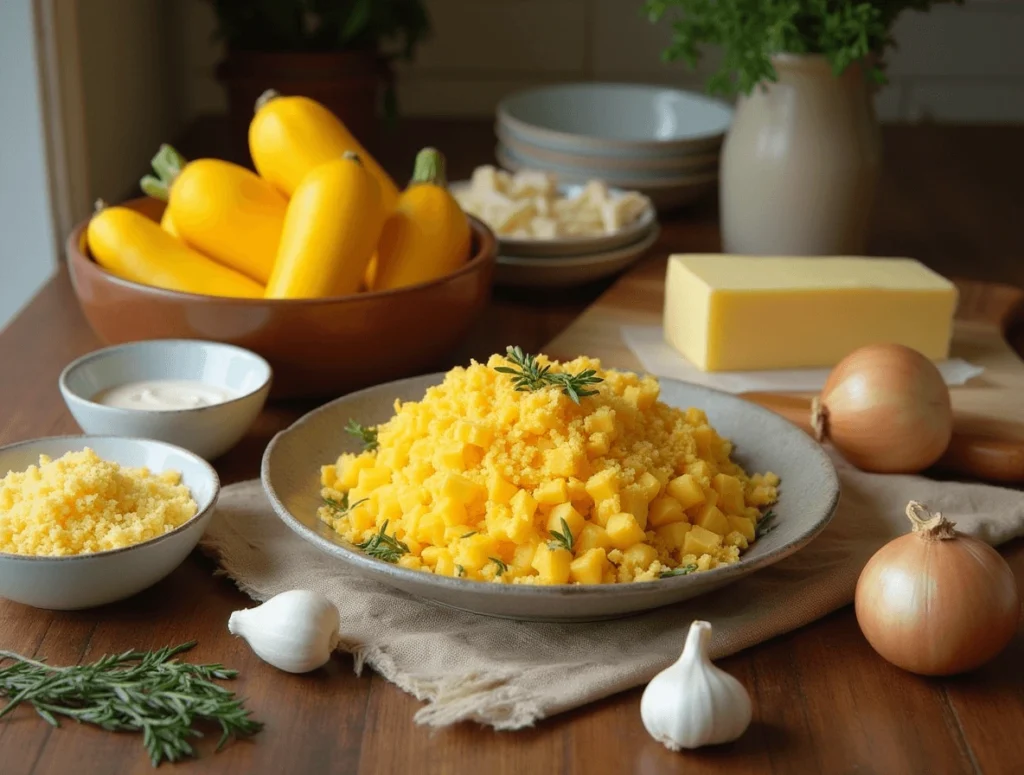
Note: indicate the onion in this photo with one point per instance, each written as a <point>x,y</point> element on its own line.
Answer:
<point>935,601</point>
<point>886,408</point>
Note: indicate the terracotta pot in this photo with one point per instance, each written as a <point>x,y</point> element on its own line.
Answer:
<point>348,82</point>
<point>317,347</point>
<point>801,162</point>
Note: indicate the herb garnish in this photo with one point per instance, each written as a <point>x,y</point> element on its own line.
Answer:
<point>367,434</point>
<point>502,567</point>
<point>461,570</point>
<point>685,570</point>
<point>532,376</point>
<point>470,533</point>
<point>563,540</point>
<point>765,525</point>
<point>383,546</point>
<point>137,691</point>
<point>342,507</point>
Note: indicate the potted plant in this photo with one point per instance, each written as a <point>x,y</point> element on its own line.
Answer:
<point>338,52</point>
<point>801,161</point>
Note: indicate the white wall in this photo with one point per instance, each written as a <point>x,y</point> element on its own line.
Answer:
<point>28,249</point>
<point>956,63</point>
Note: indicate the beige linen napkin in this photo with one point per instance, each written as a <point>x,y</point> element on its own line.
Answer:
<point>510,674</point>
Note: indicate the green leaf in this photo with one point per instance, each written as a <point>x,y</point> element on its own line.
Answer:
<point>357,21</point>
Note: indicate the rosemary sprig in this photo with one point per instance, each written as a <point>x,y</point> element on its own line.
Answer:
<point>342,507</point>
<point>367,434</point>
<point>685,570</point>
<point>470,533</point>
<point>137,691</point>
<point>765,525</point>
<point>529,375</point>
<point>383,546</point>
<point>563,540</point>
<point>461,571</point>
<point>502,567</point>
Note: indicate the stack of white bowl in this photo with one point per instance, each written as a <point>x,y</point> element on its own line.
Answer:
<point>660,141</point>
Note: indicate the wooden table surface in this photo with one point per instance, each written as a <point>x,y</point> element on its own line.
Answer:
<point>823,701</point>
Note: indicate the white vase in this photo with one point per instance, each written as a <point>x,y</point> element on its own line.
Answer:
<point>800,163</point>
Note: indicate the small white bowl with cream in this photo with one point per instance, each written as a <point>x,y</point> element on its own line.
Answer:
<point>202,396</point>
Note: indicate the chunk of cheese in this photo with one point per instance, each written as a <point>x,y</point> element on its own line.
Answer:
<point>735,313</point>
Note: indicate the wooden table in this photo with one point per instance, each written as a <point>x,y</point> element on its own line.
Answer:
<point>824,702</point>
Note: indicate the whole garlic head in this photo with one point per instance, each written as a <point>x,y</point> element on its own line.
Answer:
<point>294,631</point>
<point>692,703</point>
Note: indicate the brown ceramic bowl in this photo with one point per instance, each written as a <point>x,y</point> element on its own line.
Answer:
<point>317,347</point>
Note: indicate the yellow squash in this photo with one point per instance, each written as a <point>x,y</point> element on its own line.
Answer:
<point>289,136</point>
<point>331,229</point>
<point>128,244</point>
<point>223,210</point>
<point>167,223</point>
<point>427,235</point>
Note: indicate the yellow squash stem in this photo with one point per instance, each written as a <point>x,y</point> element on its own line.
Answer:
<point>221,209</point>
<point>330,231</point>
<point>128,244</point>
<point>290,136</point>
<point>428,235</point>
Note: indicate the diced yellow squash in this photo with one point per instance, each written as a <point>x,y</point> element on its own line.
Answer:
<point>522,557</point>
<point>565,511</point>
<point>499,489</point>
<point>448,457</point>
<point>710,502</point>
<point>714,520</point>
<point>451,532</point>
<point>601,421</point>
<point>673,534</point>
<point>410,561</point>
<point>634,501</point>
<point>730,494</point>
<point>552,565</point>
<point>737,539</point>
<point>603,485</point>
<point>592,536</point>
<point>552,491</point>
<point>560,461</point>
<point>523,505</point>
<point>743,526</point>
<point>631,395</point>
<point>598,444</point>
<point>696,416</point>
<point>475,552</point>
<point>649,485</point>
<point>372,478</point>
<point>706,439</point>
<point>699,541</point>
<point>350,469</point>
<point>624,531</point>
<point>430,529</point>
<point>701,470</point>
<point>451,511</point>
<point>411,497</point>
<point>430,554</point>
<point>664,511</point>
<point>687,490</point>
<point>589,567</point>
<point>329,476</point>
<point>473,433</point>
<point>462,489</point>
<point>639,556</point>
<point>605,509</point>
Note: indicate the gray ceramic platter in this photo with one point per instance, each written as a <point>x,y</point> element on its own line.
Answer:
<point>764,442</point>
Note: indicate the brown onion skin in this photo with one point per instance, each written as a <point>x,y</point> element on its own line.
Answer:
<point>888,409</point>
<point>972,602</point>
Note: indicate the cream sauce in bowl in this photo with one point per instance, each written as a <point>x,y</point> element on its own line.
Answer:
<point>163,395</point>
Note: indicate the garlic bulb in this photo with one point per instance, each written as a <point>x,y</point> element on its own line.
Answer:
<point>294,631</point>
<point>693,703</point>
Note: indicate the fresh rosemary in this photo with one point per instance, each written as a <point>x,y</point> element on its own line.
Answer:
<point>367,434</point>
<point>765,525</point>
<point>562,540</point>
<point>384,547</point>
<point>460,570</point>
<point>137,691</point>
<point>685,570</point>
<point>529,375</point>
<point>470,533</point>
<point>342,507</point>
<point>502,567</point>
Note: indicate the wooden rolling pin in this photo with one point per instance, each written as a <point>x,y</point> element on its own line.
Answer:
<point>968,455</point>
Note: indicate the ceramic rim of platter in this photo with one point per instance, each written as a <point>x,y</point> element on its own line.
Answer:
<point>808,497</point>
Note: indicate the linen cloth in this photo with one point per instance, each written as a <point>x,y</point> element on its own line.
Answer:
<point>510,674</point>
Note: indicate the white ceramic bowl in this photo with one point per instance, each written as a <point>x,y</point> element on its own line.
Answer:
<point>616,119</point>
<point>573,246</point>
<point>209,431</point>
<point>764,442</point>
<point>568,271</point>
<point>665,193</point>
<point>88,580</point>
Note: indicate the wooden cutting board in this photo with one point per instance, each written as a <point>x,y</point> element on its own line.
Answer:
<point>991,405</point>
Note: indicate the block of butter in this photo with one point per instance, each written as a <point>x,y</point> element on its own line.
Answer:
<point>748,313</point>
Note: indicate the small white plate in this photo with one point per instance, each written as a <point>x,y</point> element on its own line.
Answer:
<point>89,580</point>
<point>572,246</point>
<point>526,271</point>
<point>763,441</point>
